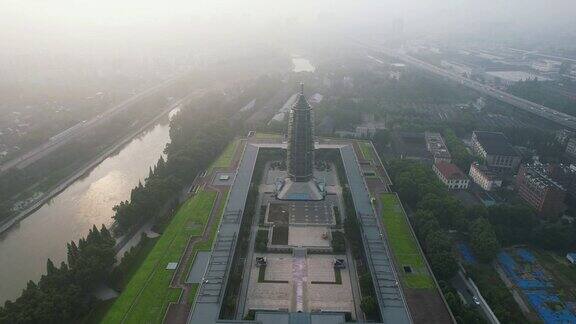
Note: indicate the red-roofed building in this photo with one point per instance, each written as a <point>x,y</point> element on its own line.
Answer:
<point>451,175</point>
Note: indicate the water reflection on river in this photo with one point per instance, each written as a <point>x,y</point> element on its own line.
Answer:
<point>68,216</point>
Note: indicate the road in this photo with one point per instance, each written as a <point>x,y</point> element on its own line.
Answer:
<point>535,53</point>
<point>550,114</point>
<point>468,291</point>
<point>80,129</point>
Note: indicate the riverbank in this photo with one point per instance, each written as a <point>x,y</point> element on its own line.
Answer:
<point>61,186</point>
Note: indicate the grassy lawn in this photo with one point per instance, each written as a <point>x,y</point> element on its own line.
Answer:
<point>367,151</point>
<point>192,294</point>
<point>148,294</point>
<point>207,245</point>
<point>145,249</point>
<point>404,246</point>
<point>280,235</point>
<point>259,135</point>
<point>563,273</point>
<point>98,312</point>
<point>225,159</point>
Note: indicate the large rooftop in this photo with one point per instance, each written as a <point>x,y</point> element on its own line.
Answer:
<point>495,143</point>
<point>450,171</point>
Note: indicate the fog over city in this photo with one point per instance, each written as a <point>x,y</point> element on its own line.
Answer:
<point>99,27</point>
<point>287,161</point>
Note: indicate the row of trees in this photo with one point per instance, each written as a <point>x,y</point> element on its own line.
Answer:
<point>44,174</point>
<point>485,227</point>
<point>460,155</point>
<point>518,224</point>
<point>63,294</point>
<point>437,213</point>
<point>197,137</point>
<point>544,93</point>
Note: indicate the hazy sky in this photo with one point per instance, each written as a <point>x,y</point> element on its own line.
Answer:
<point>42,24</point>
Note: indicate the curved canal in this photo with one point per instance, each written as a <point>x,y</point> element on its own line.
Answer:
<point>68,216</point>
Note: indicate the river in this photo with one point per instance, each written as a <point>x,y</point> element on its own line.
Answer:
<point>68,216</point>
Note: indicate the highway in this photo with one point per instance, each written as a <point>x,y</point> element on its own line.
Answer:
<point>79,129</point>
<point>534,53</point>
<point>550,114</point>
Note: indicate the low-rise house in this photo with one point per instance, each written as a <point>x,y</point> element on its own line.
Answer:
<point>483,176</point>
<point>436,146</point>
<point>451,175</point>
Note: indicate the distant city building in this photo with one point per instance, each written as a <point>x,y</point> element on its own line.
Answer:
<point>511,77</point>
<point>538,189</point>
<point>451,175</point>
<point>571,257</point>
<point>346,134</point>
<point>461,69</point>
<point>479,104</point>
<point>366,129</point>
<point>571,147</point>
<point>546,66</point>
<point>565,175</point>
<point>496,150</point>
<point>436,146</point>
<point>484,177</point>
<point>563,135</point>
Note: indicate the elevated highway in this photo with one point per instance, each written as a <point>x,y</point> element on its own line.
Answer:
<point>557,117</point>
<point>80,129</point>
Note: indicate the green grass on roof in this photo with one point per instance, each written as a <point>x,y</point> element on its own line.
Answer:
<point>148,294</point>
<point>403,244</point>
<point>225,159</point>
<point>367,151</point>
<point>260,135</point>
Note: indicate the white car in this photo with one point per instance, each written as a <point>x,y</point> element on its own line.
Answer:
<point>476,300</point>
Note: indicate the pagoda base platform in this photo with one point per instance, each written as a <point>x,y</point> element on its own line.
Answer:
<point>292,190</point>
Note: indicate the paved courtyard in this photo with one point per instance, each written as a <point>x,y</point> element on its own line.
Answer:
<point>308,236</point>
<point>301,212</point>
<point>311,284</point>
<point>328,297</point>
<point>311,212</point>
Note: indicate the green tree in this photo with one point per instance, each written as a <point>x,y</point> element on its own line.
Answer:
<point>443,264</point>
<point>483,240</point>
<point>369,306</point>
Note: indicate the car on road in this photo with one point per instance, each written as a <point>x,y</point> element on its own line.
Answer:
<point>476,300</point>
